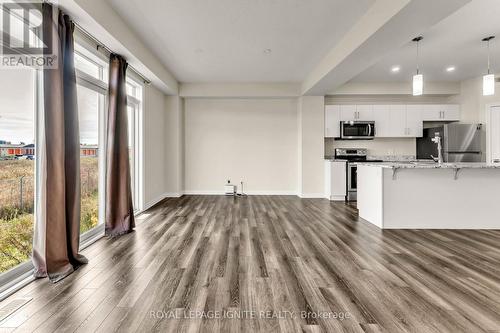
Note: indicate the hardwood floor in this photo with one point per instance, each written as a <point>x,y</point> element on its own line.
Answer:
<point>270,264</point>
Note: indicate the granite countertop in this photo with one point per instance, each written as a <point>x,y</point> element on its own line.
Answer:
<point>432,165</point>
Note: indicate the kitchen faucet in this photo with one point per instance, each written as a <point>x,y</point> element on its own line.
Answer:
<point>437,140</point>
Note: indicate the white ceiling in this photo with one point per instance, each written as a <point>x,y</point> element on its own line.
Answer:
<point>455,41</point>
<point>224,40</point>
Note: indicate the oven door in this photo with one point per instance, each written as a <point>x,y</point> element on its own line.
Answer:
<point>352,182</point>
<point>357,130</point>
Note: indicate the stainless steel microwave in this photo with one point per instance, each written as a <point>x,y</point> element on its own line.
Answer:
<point>357,130</point>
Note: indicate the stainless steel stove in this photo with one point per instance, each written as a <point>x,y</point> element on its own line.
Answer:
<point>352,157</point>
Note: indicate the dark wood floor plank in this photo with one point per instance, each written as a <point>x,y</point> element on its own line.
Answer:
<point>298,264</point>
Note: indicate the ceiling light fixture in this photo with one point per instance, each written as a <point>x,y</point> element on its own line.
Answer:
<point>488,79</point>
<point>267,51</point>
<point>418,79</point>
<point>395,69</point>
<point>450,69</point>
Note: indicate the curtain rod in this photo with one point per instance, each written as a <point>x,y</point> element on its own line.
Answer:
<point>101,45</point>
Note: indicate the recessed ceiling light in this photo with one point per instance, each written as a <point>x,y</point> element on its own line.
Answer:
<point>267,51</point>
<point>450,69</point>
<point>395,69</point>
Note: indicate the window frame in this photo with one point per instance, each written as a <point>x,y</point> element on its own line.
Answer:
<point>100,86</point>
<point>137,122</point>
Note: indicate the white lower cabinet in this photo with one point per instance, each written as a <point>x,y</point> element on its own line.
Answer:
<point>336,180</point>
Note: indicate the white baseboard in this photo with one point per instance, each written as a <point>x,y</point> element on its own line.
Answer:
<point>160,198</point>
<point>312,196</point>
<point>336,198</point>
<point>247,193</point>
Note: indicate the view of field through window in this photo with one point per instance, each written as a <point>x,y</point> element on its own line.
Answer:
<point>17,167</point>
<point>17,164</point>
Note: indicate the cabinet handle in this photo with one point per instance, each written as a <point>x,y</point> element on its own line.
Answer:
<point>496,160</point>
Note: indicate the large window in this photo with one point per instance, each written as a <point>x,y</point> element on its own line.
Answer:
<point>134,113</point>
<point>20,97</point>
<point>17,166</point>
<point>91,70</point>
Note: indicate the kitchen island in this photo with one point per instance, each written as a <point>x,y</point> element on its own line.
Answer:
<point>415,195</point>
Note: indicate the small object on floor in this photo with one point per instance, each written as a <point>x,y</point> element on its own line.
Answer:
<point>230,189</point>
<point>242,193</point>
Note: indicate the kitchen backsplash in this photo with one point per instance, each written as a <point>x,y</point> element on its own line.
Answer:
<point>381,147</point>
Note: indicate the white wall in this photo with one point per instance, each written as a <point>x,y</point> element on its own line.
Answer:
<point>154,153</point>
<point>473,103</point>
<point>311,146</point>
<point>253,140</point>
<point>174,144</point>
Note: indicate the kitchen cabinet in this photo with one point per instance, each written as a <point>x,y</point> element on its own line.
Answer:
<point>381,116</point>
<point>414,121</point>
<point>391,121</point>
<point>440,112</point>
<point>336,180</point>
<point>397,121</point>
<point>332,121</point>
<point>356,112</point>
<point>348,112</point>
<point>365,112</point>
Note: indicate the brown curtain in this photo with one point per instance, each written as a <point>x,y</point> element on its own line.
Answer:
<point>119,210</point>
<point>57,229</point>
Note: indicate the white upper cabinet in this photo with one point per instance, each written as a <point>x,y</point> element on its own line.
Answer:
<point>382,118</point>
<point>364,112</point>
<point>348,112</point>
<point>391,121</point>
<point>398,121</point>
<point>332,121</point>
<point>356,112</point>
<point>440,112</point>
<point>414,121</point>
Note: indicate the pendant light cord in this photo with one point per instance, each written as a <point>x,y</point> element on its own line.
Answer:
<point>417,58</point>
<point>488,48</point>
<point>417,40</point>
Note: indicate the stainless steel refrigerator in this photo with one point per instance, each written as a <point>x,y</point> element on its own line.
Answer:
<point>461,143</point>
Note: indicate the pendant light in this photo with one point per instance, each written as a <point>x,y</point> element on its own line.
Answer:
<point>488,79</point>
<point>418,79</point>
